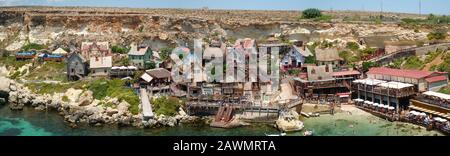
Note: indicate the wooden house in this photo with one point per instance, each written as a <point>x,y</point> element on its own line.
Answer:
<point>156,80</point>
<point>77,67</point>
<point>95,49</point>
<point>100,66</point>
<point>140,56</point>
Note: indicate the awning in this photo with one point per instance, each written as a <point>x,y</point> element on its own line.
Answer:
<point>132,67</point>
<point>358,100</point>
<point>147,77</point>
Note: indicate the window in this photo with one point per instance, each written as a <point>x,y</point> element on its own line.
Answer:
<point>327,68</point>
<point>320,77</point>
<point>105,70</point>
<point>72,70</point>
<point>313,71</point>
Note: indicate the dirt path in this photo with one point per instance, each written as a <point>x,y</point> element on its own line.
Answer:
<point>436,61</point>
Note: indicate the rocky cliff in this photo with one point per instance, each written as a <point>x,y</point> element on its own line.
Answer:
<point>66,27</point>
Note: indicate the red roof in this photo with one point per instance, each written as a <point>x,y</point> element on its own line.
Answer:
<point>416,74</point>
<point>436,79</point>
<point>345,73</point>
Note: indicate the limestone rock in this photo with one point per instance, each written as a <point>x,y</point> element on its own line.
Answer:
<point>111,111</point>
<point>86,98</point>
<point>5,84</point>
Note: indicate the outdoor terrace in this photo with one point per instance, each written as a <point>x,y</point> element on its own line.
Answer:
<point>392,89</point>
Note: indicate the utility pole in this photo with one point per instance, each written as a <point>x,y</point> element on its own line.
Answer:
<point>381,8</point>
<point>420,7</point>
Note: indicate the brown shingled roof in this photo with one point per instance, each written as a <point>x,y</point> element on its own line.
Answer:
<point>159,73</point>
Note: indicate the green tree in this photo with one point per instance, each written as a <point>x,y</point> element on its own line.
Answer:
<point>311,13</point>
<point>165,53</point>
<point>119,49</point>
<point>213,70</point>
<point>151,65</point>
<point>367,65</point>
<point>353,46</point>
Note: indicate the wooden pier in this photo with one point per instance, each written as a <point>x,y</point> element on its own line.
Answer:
<point>146,105</point>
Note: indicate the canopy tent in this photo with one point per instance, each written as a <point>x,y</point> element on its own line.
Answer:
<point>358,100</point>
<point>395,85</point>
<point>414,113</point>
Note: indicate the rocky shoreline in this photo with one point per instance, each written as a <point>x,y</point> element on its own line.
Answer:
<point>80,107</point>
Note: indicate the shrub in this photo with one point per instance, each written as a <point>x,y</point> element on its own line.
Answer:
<point>119,49</point>
<point>367,65</point>
<point>436,35</point>
<point>294,71</point>
<point>311,13</point>
<point>353,46</point>
<point>65,98</point>
<point>151,65</point>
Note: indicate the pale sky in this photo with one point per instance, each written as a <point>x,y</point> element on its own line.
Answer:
<point>407,6</point>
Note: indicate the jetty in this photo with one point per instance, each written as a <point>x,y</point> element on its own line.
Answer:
<point>146,105</point>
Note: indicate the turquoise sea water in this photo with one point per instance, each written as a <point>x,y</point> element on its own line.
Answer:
<point>30,122</point>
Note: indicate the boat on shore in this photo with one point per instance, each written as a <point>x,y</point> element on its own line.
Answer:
<point>281,134</point>
<point>308,133</point>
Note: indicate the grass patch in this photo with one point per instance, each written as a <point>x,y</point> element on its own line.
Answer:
<point>445,90</point>
<point>10,62</point>
<point>108,104</point>
<point>48,88</point>
<point>51,88</point>
<point>49,71</point>
<point>115,88</point>
<point>432,55</point>
<point>34,46</point>
<point>413,62</point>
<point>166,105</point>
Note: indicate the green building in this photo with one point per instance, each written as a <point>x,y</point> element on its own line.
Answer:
<point>140,56</point>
